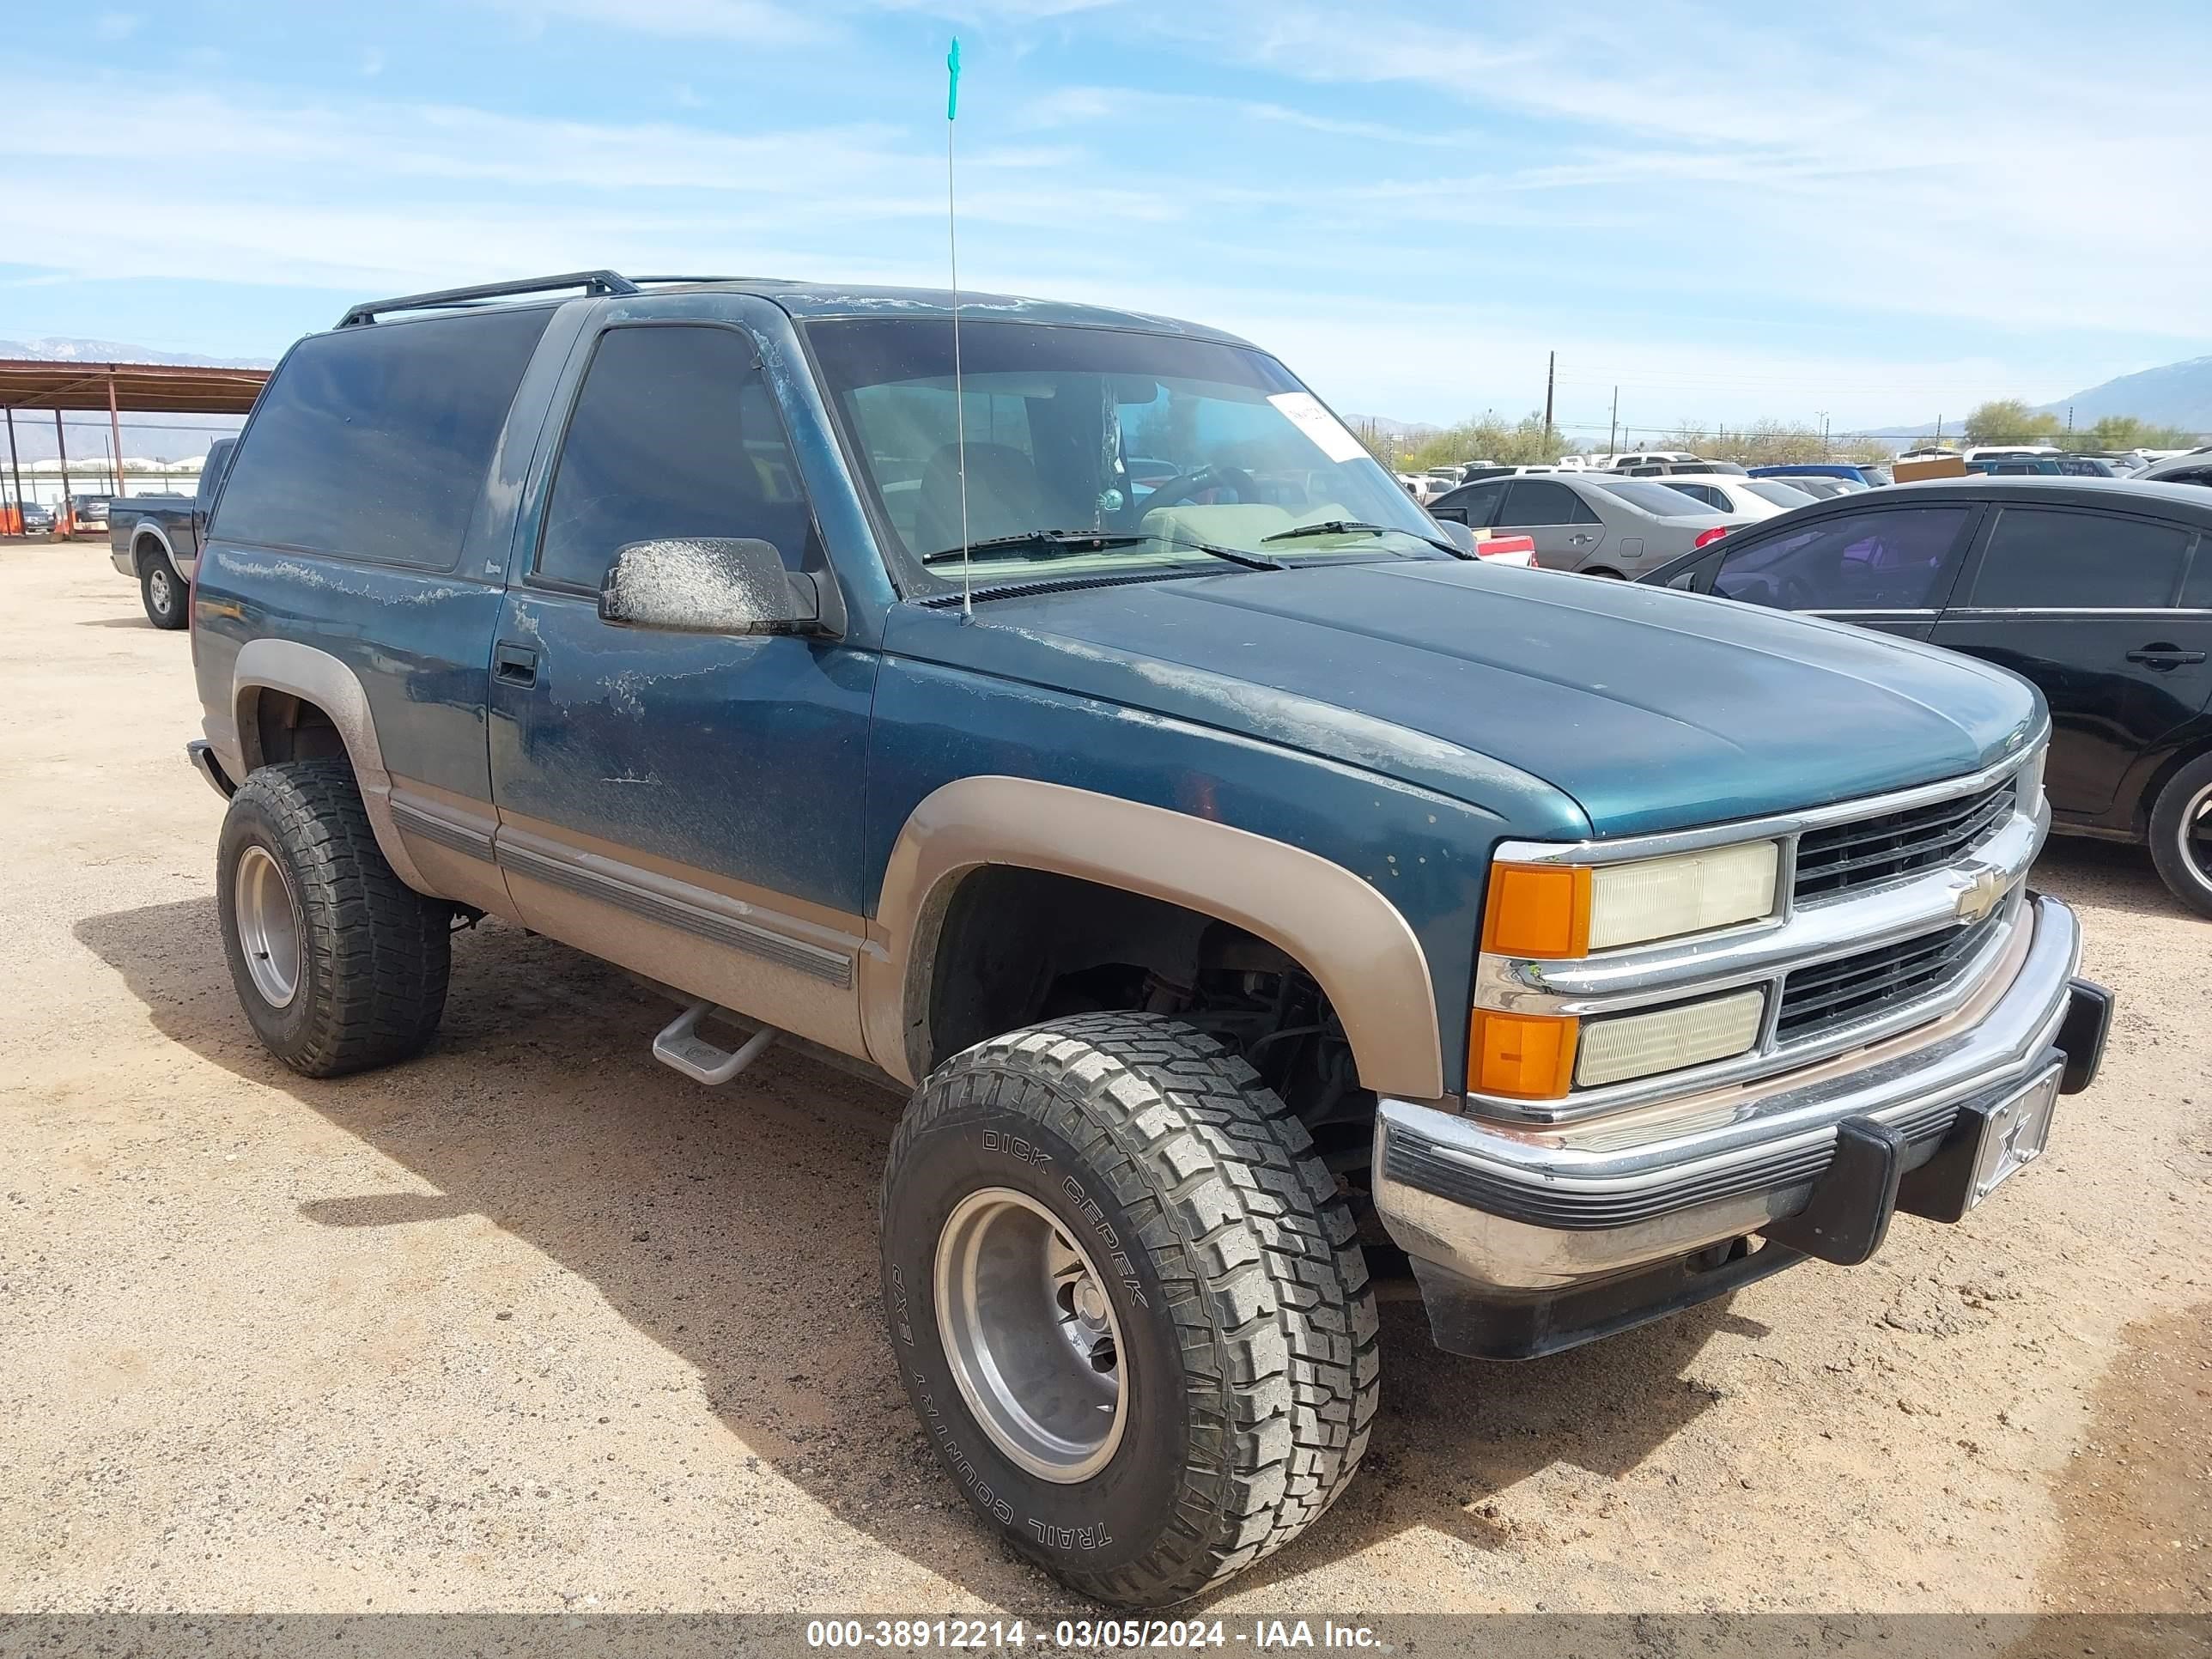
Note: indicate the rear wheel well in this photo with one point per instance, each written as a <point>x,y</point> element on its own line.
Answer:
<point>147,548</point>
<point>2147,802</point>
<point>287,727</point>
<point>1018,946</point>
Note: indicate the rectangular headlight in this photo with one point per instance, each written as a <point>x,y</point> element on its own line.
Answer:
<point>1638,1045</point>
<point>1683,893</point>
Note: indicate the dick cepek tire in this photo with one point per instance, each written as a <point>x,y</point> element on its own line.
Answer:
<point>164,593</point>
<point>355,974</point>
<point>1231,1307</point>
<point>2181,835</point>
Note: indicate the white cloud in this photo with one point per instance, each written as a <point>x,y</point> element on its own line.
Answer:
<point>752,22</point>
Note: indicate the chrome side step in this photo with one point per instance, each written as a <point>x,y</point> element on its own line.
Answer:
<point>680,1045</point>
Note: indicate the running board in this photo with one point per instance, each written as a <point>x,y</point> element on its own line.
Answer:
<point>680,1045</point>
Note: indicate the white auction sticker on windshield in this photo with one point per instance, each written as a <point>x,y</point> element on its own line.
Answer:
<point>1328,432</point>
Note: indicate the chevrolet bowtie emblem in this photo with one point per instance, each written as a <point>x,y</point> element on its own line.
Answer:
<point>1980,893</point>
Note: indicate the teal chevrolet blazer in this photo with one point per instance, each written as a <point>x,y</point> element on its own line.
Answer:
<point>1052,713</point>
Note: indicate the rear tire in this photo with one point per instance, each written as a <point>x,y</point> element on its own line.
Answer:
<point>1174,1203</point>
<point>2184,860</point>
<point>167,598</point>
<point>338,964</point>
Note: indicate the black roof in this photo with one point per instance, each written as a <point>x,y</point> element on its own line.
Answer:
<point>2172,501</point>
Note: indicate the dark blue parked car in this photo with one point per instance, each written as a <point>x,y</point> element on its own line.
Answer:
<point>1252,892</point>
<point>1870,475</point>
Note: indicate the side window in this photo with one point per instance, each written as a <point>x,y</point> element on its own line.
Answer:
<point>1475,505</point>
<point>674,434</point>
<point>1896,560</point>
<point>372,442</point>
<point>1706,496</point>
<point>1533,501</point>
<point>2049,559</point>
<point>2196,593</point>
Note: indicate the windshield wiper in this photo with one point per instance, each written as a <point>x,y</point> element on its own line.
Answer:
<point>1068,544</point>
<point>1353,527</point>
<point>1048,543</point>
<point>1249,561</point>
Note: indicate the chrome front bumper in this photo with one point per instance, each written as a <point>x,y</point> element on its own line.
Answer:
<point>1520,1209</point>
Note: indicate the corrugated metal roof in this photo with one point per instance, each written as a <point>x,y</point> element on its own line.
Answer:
<point>140,388</point>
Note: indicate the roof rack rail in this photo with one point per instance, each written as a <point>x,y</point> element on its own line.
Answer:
<point>597,283</point>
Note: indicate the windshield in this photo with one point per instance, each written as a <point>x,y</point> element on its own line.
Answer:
<point>1154,439</point>
<point>1780,494</point>
<point>1663,499</point>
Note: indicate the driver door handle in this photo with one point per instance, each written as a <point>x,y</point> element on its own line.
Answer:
<point>514,664</point>
<point>2163,657</point>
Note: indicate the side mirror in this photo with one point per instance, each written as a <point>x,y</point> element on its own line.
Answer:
<point>1457,534</point>
<point>708,585</point>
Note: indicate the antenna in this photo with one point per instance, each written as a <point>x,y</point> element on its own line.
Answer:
<point>959,397</point>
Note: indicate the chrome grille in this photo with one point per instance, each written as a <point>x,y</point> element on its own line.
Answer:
<point>1832,994</point>
<point>1842,858</point>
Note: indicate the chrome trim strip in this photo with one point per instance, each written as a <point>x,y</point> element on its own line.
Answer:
<point>832,967</point>
<point>1971,611</point>
<point>1615,849</point>
<point>415,819</point>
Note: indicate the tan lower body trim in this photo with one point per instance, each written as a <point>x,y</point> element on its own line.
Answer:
<point>758,959</point>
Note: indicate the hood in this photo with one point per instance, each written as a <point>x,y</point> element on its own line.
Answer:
<point>1650,709</point>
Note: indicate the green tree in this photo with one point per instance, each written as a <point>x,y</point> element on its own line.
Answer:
<point>2008,421</point>
<point>1486,437</point>
<point>2126,432</point>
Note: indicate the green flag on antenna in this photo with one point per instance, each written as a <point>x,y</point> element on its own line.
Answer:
<point>952,87</point>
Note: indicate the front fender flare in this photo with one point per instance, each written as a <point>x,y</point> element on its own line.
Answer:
<point>320,678</point>
<point>1347,934</point>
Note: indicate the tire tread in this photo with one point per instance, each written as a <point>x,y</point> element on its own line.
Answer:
<point>1253,1248</point>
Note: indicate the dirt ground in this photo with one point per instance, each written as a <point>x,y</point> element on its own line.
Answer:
<point>534,1323</point>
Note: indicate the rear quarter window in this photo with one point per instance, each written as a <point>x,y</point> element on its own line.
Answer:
<point>372,443</point>
<point>2043,558</point>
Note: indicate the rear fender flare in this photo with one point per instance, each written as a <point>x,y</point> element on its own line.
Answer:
<point>145,536</point>
<point>320,678</point>
<point>1352,940</point>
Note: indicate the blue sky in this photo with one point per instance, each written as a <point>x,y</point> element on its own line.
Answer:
<point>1731,211</point>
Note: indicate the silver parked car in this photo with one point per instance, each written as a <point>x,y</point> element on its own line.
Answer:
<point>1604,526</point>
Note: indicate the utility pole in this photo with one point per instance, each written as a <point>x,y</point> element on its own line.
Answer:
<point>2070,425</point>
<point>61,448</point>
<point>1823,413</point>
<point>115,429</point>
<point>1613,428</point>
<point>16,466</point>
<point>1551,373</point>
<point>1939,432</point>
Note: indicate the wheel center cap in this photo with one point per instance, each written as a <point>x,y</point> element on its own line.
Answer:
<point>1089,1302</point>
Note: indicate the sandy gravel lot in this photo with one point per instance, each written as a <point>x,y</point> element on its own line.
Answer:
<point>534,1323</point>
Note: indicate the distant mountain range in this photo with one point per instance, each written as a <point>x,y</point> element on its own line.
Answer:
<point>2179,394</point>
<point>155,437</point>
<point>60,349</point>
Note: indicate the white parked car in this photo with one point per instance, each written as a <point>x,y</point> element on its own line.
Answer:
<point>1748,498</point>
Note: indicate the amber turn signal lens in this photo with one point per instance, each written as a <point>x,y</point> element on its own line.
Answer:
<point>1537,910</point>
<point>1525,1056</point>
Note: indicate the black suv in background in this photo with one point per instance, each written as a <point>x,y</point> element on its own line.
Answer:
<point>2100,590</point>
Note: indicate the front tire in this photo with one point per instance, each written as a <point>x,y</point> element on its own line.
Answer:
<point>1126,1303</point>
<point>167,598</point>
<point>2181,835</point>
<point>338,964</point>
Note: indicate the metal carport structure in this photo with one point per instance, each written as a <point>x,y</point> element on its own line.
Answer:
<point>142,388</point>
